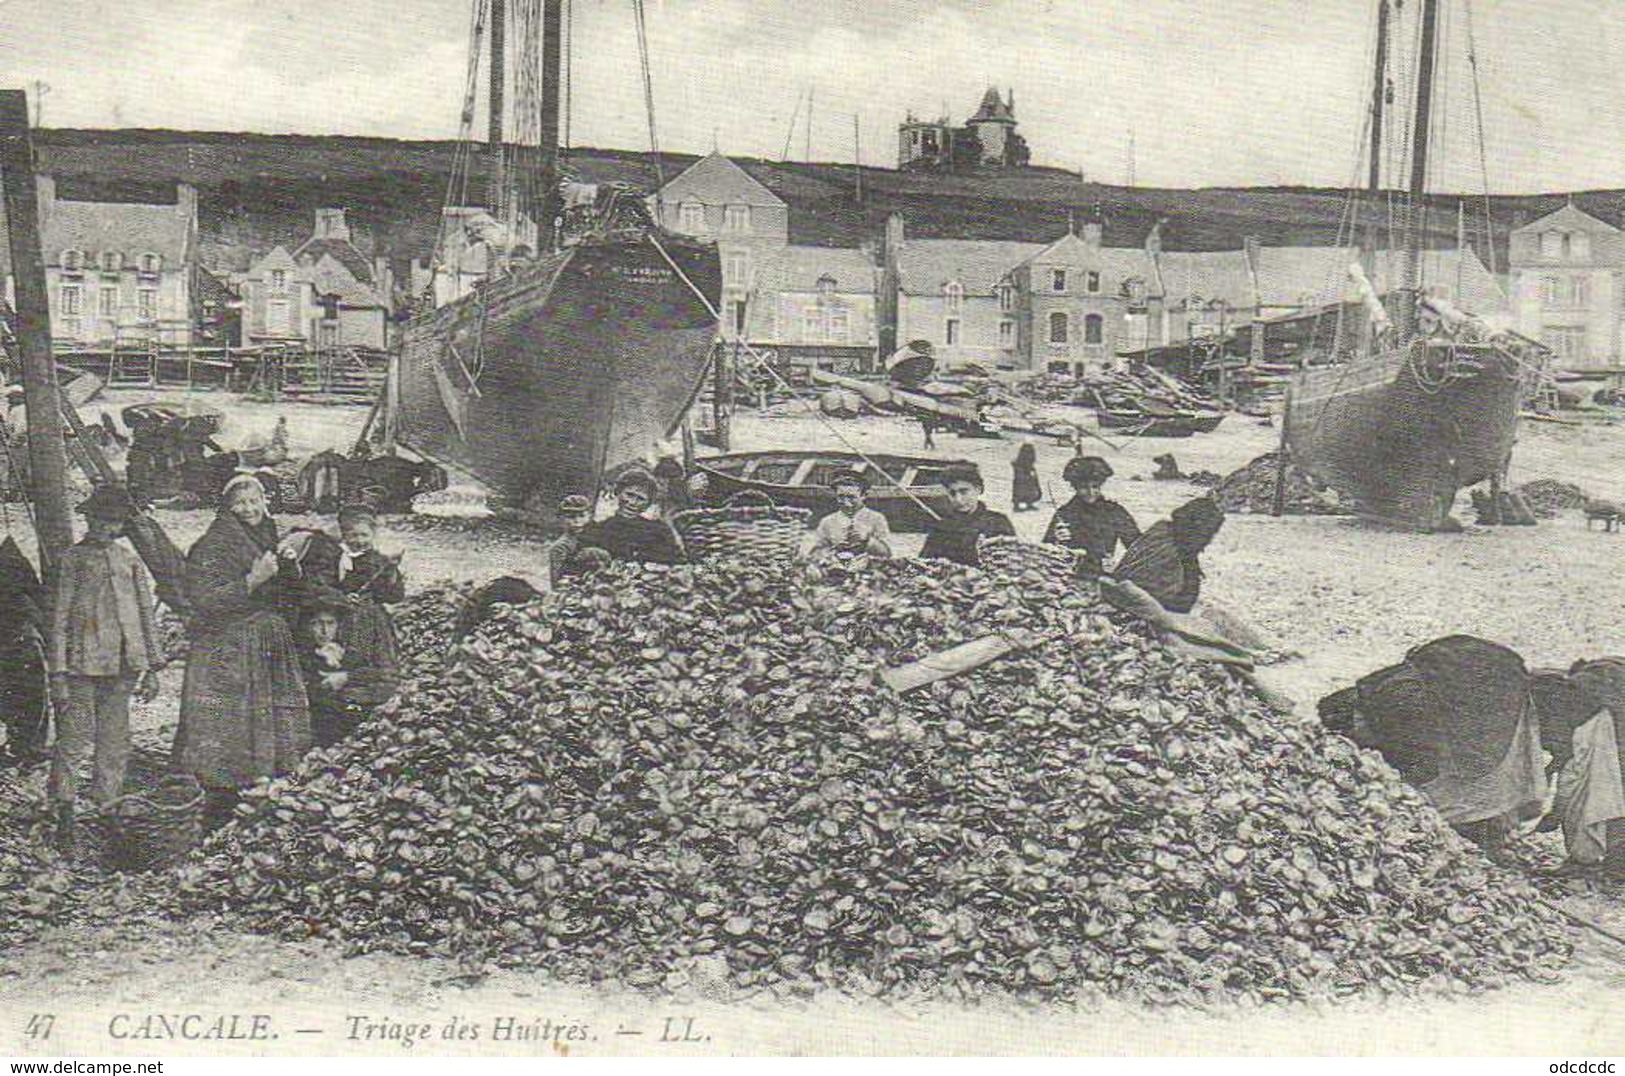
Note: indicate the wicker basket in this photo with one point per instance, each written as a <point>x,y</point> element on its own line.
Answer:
<point>1015,557</point>
<point>150,829</point>
<point>758,533</point>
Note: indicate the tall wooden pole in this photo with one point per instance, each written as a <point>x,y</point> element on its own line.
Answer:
<point>1419,165</point>
<point>552,71</point>
<point>47,454</point>
<point>1379,97</point>
<point>496,197</point>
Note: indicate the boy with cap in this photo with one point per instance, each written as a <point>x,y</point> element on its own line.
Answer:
<point>345,679</point>
<point>968,521</point>
<point>104,645</point>
<point>1089,523</point>
<point>627,535</point>
<point>575,513</point>
<point>852,527</point>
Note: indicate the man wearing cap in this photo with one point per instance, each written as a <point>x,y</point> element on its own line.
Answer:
<point>1089,523</point>
<point>852,527</point>
<point>575,514</point>
<point>954,537</point>
<point>627,535</point>
<point>104,645</point>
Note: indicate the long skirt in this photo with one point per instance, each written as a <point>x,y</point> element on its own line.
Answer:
<point>244,715</point>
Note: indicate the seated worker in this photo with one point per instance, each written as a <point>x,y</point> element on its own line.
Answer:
<point>1580,712</point>
<point>1455,719</point>
<point>852,527</point>
<point>627,535</point>
<point>343,683</point>
<point>1089,523</point>
<point>968,521</point>
<point>1165,560</point>
<point>575,514</point>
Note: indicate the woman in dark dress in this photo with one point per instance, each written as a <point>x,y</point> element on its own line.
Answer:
<point>1089,523</point>
<point>1166,561</point>
<point>244,714</point>
<point>1025,489</point>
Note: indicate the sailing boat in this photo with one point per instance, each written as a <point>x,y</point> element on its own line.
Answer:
<point>568,363</point>
<point>1430,404</point>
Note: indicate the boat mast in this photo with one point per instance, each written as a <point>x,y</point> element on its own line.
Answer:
<point>1379,94</point>
<point>546,208</point>
<point>1419,169</point>
<point>494,195</point>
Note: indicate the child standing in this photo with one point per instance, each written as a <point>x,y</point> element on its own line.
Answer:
<point>104,646</point>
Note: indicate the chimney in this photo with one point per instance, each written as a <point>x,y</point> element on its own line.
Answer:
<point>186,201</point>
<point>1091,234</point>
<point>330,224</point>
<point>1153,239</point>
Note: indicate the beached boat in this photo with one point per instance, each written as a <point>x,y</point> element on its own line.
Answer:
<point>1135,423</point>
<point>1429,403</point>
<point>557,367</point>
<point>801,480</point>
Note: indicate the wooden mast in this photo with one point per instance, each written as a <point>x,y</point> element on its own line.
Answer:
<point>47,452</point>
<point>1379,94</point>
<point>546,209</point>
<point>1419,169</point>
<point>496,196</point>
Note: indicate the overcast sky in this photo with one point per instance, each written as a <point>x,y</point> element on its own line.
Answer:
<point>1213,91</point>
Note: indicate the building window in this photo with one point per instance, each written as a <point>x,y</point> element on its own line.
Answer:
<point>279,280</point>
<point>1551,244</point>
<point>151,263</point>
<point>826,288</point>
<point>691,217</point>
<point>839,326</point>
<point>1007,333</point>
<point>1057,328</point>
<point>950,332</point>
<point>736,269</point>
<point>1094,329</point>
<point>953,294</point>
<point>1565,293</point>
<point>1057,280</point>
<point>736,218</point>
<point>112,261</point>
<point>109,303</point>
<point>1566,341</point>
<point>73,260</point>
<point>1007,297</point>
<point>1060,367</point>
<point>1091,282</point>
<point>812,324</point>
<point>278,318</point>
<point>71,296</point>
<point>146,301</point>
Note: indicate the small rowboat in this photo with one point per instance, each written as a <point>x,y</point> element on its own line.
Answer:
<point>801,480</point>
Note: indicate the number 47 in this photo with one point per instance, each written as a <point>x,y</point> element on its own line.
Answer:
<point>39,1026</point>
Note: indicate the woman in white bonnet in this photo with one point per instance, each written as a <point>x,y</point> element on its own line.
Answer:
<point>244,713</point>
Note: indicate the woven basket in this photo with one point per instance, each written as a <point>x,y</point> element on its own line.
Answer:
<point>1013,556</point>
<point>758,533</point>
<point>150,829</point>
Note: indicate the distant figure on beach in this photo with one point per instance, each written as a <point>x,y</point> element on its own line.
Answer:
<point>1025,490</point>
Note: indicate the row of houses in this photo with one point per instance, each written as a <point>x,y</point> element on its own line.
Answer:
<point>1070,304</point>
<point>130,273</point>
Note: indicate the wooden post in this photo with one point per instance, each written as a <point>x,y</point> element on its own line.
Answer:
<point>1278,506</point>
<point>46,451</point>
<point>722,397</point>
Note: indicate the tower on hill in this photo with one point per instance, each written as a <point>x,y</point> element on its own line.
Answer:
<point>987,140</point>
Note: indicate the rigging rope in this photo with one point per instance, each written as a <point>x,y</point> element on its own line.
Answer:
<point>1483,151</point>
<point>649,96</point>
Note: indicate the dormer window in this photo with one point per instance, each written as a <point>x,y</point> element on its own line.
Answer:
<point>73,260</point>
<point>826,287</point>
<point>953,293</point>
<point>1551,244</point>
<point>151,263</point>
<point>1057,280</point>
<point>1580,245</point>
<point>112,261</point>
<point>1007,296</point>
<point>736,218</point>
<point>691,217</point>
<point>279,280</point>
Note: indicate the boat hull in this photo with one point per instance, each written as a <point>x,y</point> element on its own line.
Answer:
<point>580,362</point>
<point>1141,425</point>
<point>801,480</point>
<point>1399,435</point>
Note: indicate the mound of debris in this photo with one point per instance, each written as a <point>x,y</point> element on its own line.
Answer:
<point>658,773</point>
<point>1547,497</point>
<point>1252,489</point>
